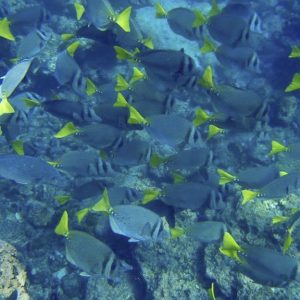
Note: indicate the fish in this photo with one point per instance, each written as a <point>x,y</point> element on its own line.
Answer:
<point>25,169</point>
<point>102,15</point>
<point>263,265</point>
<point>33,43</point>
<point>84,163</point>
<point>28,19</point>
<point>241,56</point>
<point>232,26</point>
<point>188,161</point>
<point>132,153</point>
<point>14,77</point>
<point>252,178</point>
<point>100,136</point>
<point>234,101</point>
<point>133,221</point>
<point>206,231</point>
<point>88,253</point>
<point>183,21</point>
<point>171,68</point>
<point>278,188</point>
<point>134,38</point>
<point>162,128</point>
<point>187,195</point>
<point>77,112</point>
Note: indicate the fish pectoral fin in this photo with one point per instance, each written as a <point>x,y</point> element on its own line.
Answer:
<point>132,240</point>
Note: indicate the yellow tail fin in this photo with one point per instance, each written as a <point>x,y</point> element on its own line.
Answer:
<point>295,53</point>
<point>68,129</point>
<point>79,8</point>
<point>123,19</point>
<point>206,80</point>
<point>295,83</point>
<point>5,30</point>
<point>230,247</point>
<point>160,11</point>
<point>225,177</point>
<point>277,147</point>
<point>248,195</point>
<point>62,228</point>
<point>103,205</point>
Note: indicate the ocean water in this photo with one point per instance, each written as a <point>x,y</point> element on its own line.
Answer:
<point>149,150</point>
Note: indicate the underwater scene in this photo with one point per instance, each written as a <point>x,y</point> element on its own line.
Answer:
<point>150,150</point>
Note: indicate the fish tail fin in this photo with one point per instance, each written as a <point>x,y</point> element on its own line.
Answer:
<point>230,247</point>
<point>122,84</point>
<point>160,12</point>
<point>213,130</point>
<point>68,129</point>
<point>62,228</point>
<point>135,117</point>
<point>215,9</point>
<point>178,177</point>
<point>295,53</point>
<point>5,30</point>
<point>225,177</point>
<point>79,9</point>
<point>5,106</point>
<point>208,46</point>
<point>201,117</point>
<point>81,214</point>
<point>206,80</point>
<point>103,205</point>
<point>137,75</point>
<point>124,54</point>
<point>67,36</point>
<point>288,240</point>
<point>18,146</point>
<point>150,195</point>
<point>277,147</point>
<point>123,19</point>
<point>200,19</point>
<point>176,232</point>
<point>279,219</point>
<point>248,195</point>
<point>295,83</point>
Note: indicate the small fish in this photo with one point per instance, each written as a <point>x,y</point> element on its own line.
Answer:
<point>135,222</point>
<point>264,266</point>
<point>253,178</point>
<point>28,18</point>
<point>187,195</point>
<point>206,231</point>
<point>84,163</point>
<point>183,21</point>
<point>171,68</point>
<point>232,26</point>
<point>188,160</point>
<point>172,130</point>
<point>243,57</point>
<point>100,136</point>
<point>132,153</point>
<point>25,169</point>
<point>77,112</point>
<point>88,253</point>
<point>134,38</point>
<point>278,188</point>
<point>234,101</point>
<point>33,43</point>
<point>102,15</point>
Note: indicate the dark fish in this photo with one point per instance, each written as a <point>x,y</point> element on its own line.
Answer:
<point>28,170</point>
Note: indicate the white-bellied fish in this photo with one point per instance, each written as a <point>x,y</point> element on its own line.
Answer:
<point>135,222</point>
<point>89,254</point>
